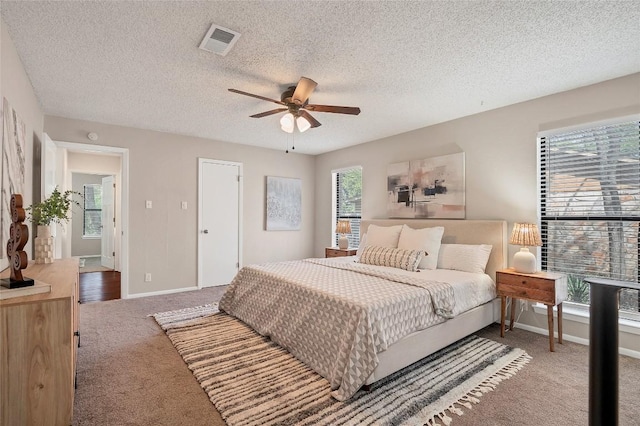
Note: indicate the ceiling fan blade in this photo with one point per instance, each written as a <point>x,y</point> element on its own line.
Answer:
<point>240,92</point>
<point>304,88</point>
<point>266,113</point>
<point>309,118</point>
<point>333,108</point>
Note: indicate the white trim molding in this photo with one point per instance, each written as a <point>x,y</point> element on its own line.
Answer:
<point>625,326</point>
<point>124,200</point>
<point>161,292</point>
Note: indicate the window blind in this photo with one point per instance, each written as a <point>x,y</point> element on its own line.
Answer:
<point>349,201</point>
<point>92,218</point>
<point>590,205</point>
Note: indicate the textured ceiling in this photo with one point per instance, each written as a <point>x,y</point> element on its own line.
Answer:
<point>405,64</point>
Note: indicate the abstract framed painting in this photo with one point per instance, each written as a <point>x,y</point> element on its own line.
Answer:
<point>283,204</point>
<point>14,135</point>
<point>430,188</point>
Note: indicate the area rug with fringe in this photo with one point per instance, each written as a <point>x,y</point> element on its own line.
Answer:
<point>253,381</point>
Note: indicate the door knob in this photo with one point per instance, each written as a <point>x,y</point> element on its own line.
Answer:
<point>206,231</point>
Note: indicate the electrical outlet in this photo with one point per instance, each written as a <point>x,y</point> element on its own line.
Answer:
<point>148,204</point>
<point>184,205</point>
<point>147,277</point>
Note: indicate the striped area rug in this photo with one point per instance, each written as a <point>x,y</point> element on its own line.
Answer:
<point>253,381</point>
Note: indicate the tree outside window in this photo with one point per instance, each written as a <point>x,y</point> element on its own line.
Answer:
<point>348,201</point>
<point>92,222</point>
<point>590,207</point>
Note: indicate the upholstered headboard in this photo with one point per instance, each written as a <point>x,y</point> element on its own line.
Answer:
<point>492,232</point>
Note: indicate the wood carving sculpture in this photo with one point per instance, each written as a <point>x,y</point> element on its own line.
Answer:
<point>19,235</point>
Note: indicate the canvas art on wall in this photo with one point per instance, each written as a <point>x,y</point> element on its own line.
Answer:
<point>430,188</point>
<point>284,204</point>
<point>14,135</point>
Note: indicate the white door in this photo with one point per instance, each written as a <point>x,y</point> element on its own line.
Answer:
<point>108,223</point>
<point>219,222</point>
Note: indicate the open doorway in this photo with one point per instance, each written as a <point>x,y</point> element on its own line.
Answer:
<point>92,237</point>
<point>93,227</point>
<point>97,233</point>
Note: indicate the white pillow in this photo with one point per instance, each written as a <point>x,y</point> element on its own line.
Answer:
<point>426,239</point>
<point>363,243</point>
<point>383,236</point>
<point>393,257</point>
<point>464,257</point>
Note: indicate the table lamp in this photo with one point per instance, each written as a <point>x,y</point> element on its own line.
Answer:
<point>525,234</point>
<point>343,227</point>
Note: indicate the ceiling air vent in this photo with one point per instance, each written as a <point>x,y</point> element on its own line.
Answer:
<point>219,40</point>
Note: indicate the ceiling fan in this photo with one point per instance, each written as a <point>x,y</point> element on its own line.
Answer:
<point>295,100</point>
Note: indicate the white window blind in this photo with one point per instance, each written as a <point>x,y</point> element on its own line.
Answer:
<point>590,206</point>
<point>348,201</point>
<point>92,222</point>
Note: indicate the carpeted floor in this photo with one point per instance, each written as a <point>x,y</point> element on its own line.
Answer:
<point>130,374</point>
<point>253,381</point>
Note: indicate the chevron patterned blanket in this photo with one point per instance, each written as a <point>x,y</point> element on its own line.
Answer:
<point>335,316</point>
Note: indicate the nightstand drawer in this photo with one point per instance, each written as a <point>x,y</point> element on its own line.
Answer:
<point>336,252</point>
<point>522,292</point>
<point>526,281</point>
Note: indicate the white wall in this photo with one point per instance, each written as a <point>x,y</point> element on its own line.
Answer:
<point>16,87</point>
<point>163,168</point>
<point>500,155</point>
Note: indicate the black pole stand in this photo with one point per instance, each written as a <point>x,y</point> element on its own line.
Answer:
<point>603,350</point>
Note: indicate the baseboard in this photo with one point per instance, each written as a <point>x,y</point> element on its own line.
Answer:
<point>161,292</point>
<point>574,339</point>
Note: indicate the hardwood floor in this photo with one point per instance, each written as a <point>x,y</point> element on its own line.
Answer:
<point>99,286</point>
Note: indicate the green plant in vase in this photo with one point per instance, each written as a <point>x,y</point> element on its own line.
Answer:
<point>54,209</point>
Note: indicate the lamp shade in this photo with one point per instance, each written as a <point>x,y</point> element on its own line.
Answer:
<point>303,124</point>
<point>525,234</point>
<point>343,226</point>
<point>287,122</point>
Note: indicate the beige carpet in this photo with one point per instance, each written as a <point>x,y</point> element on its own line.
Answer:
<point>130,374</point>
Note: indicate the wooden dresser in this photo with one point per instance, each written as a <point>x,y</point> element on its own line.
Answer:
<point>38,342</point>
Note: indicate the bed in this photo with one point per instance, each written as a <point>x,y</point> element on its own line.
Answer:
<point>355,324</point>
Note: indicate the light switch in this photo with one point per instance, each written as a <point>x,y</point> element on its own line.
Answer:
<point>184,205</point>
<point>149,204</point>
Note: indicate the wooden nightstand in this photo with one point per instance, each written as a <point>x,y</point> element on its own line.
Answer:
<point>549,288</point>
<point>338,252</point>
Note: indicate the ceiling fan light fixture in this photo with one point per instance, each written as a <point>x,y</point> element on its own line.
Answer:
<point>303,124</point>
<point>287,123</point>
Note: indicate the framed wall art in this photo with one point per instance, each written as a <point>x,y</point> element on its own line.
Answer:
<point>431,188</point>
<point>283,204</point>
<point>14,135</point>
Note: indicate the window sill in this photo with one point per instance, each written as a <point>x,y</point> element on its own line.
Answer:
<point>573,313</point>
<point>98,237</point>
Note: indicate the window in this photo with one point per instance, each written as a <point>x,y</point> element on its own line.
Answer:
<point>347,202</point>
<point>92,223</point>
<point>590,207</point>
